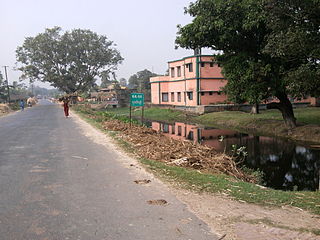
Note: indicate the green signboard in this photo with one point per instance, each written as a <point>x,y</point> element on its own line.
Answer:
<point>137,100</point>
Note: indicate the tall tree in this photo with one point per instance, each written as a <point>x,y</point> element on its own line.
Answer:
<point>3,94</point>
<point>105,79</point>
<point>295,39</point>
<point>141,80</point>
<point>69,61</point>
<point>18,88</point>
<point>123,82</point>
<point>242,30</point>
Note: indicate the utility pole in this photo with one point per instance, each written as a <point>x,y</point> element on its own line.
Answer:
<point>5,70</point>
<point>32,89</point>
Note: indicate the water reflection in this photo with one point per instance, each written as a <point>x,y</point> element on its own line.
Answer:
<point>285,165</point>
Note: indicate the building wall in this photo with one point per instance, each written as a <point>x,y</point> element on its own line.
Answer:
<point>215,98</point>
<point>182,81</point>
<point>212,84</point>
<point>155,93</point>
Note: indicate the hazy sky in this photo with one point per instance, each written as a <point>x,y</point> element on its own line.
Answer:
<point>144,30</point>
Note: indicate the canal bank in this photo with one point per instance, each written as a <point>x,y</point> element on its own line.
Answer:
<point>280,162</point>
<point>194,179</point>
<point>283,164</point>
<point>267,123</point>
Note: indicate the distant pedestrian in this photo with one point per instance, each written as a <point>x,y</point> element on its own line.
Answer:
<point>66,106</point>
<point>22,105</point>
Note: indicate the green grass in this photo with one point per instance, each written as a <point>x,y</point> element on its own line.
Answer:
<point>309,115</point>
<point>14,106</point>
<point>236,189</point>
<point>159,114</point>
<point>119,111</point>
<point>203,182</point>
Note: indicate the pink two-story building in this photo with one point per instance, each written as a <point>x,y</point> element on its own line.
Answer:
<point>192,81</point>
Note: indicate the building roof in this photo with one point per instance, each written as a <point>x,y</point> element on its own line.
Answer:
<point>193,56</point>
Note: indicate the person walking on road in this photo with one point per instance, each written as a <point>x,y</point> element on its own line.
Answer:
<point>66,106</point>
<point>21,105</point>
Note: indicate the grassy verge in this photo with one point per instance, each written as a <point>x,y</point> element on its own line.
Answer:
<point>267,123</point>
<point>159,114</point>
<point>238,190</point>
<point>198,181</point>
<point>309,115</point>
<point>14,106</point>
<point>303,115</point>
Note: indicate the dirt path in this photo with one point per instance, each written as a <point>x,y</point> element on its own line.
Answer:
<point>232,220</point>
<point>243,221</point>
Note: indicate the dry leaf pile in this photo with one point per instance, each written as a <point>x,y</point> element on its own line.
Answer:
<point>153,145</point>
<point>4,108</point>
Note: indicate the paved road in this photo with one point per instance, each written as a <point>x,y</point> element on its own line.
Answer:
<point>55,183</point>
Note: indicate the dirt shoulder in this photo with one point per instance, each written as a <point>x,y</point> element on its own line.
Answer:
<point>233,219</point>
<point>243,221</point>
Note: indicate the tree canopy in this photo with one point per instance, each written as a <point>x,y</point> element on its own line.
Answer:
<point>257,40</point>
<point>141,80</point>
<point>295,40</point>
<point>105,79</point>
<point>69,61</point>
<point>3,93</point>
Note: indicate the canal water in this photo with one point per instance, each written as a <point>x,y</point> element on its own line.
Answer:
<point>285,165</point>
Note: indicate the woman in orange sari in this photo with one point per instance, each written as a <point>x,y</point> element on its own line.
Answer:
<point>66,106</point>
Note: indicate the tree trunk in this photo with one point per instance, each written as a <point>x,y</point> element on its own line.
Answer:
<point>285,108</point>
<point>255,109</point>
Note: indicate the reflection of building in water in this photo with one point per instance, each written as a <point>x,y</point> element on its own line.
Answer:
<point>284,164</point>
<point>205,136</point>
<point>178,130</point>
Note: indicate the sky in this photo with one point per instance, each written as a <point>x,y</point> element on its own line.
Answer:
<point>143,30</point>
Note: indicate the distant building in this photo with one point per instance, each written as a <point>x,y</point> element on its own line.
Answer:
<point>113,94</point>
<point>192,81</point>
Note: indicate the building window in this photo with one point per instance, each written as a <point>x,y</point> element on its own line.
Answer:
<point>190,95</point>
<point>165,128</point>
<point>211,64</point>
<point>179,130</point>
<point>165,97</point>
<point>179,96</point>
<point>219,93</point>
<point>210,93</point>
<point>190,67</point>
<point>179,71</point>
<point>202,93</point>
<point>190,135</point>
<point>202,64</point>
<point>172,97</point>
<point>173,130</point>
<point>172,72</point>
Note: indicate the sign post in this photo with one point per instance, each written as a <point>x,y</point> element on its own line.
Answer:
<point>137,100</point>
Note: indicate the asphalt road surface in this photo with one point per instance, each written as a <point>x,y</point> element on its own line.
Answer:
<point>55,184</point>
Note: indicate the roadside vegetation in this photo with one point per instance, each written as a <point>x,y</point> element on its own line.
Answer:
<point>6,108</point>
<point>199,179</point>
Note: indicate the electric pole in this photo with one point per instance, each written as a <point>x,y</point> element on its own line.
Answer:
<point>5,70</point>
